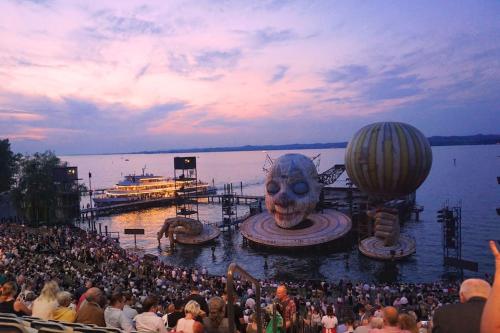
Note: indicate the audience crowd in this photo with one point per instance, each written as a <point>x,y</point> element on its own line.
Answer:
<point>71,275</point>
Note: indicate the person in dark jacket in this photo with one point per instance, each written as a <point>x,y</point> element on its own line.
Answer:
<point>195,296</point>
<point>466,316</point>
<point>172,318</point>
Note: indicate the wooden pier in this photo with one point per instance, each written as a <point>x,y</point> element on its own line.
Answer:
<point>86,192</point>
<point>226,225</point>
<point>125,207</point>
<point>240,199</point>
<point>142,204</point>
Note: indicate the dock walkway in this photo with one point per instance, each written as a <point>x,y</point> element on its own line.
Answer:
<point>141,204</point>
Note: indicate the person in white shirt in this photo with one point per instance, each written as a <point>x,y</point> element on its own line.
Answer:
<point>148,321</point>
<point>114,316</point>
<point>329,321</point>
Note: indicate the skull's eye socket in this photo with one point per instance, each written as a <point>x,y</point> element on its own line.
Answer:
<point>300,188</point>
<point>272,187</point>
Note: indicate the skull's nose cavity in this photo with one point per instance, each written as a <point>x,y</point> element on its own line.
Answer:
<point>283,199</point>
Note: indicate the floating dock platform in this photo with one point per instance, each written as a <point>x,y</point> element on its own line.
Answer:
<point>208,234</point>
<point>373,247</point>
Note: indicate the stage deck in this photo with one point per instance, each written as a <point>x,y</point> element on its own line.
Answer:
<point>319,228</point>
<point>208,234</point>
<point>373,247</point>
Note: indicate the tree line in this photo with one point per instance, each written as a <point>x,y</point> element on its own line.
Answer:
<point>29,182</point>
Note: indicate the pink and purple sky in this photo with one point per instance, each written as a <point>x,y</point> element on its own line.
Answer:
<point>123,76</point>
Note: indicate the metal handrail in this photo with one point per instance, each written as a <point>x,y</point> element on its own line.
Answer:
<point>234,268</point>
<point>275,323</point>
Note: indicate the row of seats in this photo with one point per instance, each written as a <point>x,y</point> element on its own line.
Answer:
<point>10,323</point>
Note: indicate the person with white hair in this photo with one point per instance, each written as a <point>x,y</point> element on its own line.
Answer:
<point>63,312</point>
<point>46,303</point>
<point>250,304</point>
<point>187,324</point>
<point>376,323</point>
<point>465,316</point>
<point>215,321</point>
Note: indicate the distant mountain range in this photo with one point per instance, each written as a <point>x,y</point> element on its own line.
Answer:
<point>479,139</point>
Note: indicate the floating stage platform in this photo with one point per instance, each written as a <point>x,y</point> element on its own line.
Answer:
<point>208,234</point>
<point>318,229</point>
<point>373,247</point>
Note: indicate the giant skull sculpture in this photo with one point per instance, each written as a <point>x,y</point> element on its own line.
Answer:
<point>292,189</point>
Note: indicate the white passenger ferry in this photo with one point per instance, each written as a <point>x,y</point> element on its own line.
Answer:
<point>148,187</point>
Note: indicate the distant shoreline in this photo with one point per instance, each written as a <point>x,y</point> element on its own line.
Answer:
<point>470,140</point>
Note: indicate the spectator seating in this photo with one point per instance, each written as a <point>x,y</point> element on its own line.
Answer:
<point>113,329</point>
<point>47,324</point>
<point>9,323</point>
<point>12,328</point>
<point>11,320</point>
<point>91,329</point>
<point>49,330</point>
<point>72,325</point>
<point>29,318</point>
<point>8,315</point>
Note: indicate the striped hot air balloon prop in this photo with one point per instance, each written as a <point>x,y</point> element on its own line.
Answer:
<point>388,159</point>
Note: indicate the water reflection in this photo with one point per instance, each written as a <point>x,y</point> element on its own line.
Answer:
<point>185,255</point>
<point>296,268</point>
<point>228,247</point>
<point>387,272</point>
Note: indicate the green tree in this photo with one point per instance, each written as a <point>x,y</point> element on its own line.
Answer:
<point>8,165</point>
<point>36,194</point>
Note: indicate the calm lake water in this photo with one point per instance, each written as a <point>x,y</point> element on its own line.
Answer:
<point>471,181</point>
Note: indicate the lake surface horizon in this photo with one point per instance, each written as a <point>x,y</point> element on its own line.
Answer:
<point>464,175</point>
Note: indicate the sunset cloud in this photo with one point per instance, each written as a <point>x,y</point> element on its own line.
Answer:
<point>144,74</point>
<point>18,115</point>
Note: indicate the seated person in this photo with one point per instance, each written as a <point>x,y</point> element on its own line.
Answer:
<point>8,302</point>
<point>63,312</point>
